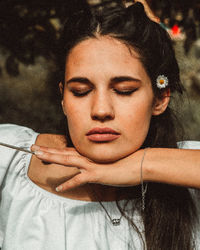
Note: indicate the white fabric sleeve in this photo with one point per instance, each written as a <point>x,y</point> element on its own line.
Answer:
<point>189,144</point>
<point>14,135</point>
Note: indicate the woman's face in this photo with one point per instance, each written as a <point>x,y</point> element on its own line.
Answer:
<point>108,99</point>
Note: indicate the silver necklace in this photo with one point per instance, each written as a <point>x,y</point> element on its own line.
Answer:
<point>114,221</point>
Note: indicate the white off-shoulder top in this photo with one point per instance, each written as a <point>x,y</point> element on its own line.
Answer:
<point>32,218</point>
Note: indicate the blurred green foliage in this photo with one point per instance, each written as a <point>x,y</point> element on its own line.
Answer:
<point>31,28</point>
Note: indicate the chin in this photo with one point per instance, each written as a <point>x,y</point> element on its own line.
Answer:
<point>105,153</point>
<point>104,157</point>
<point>103,160</point>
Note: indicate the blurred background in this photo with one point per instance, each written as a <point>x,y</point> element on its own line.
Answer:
<point>29,34</point>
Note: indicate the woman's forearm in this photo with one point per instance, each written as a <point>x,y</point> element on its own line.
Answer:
<point>172,166</point>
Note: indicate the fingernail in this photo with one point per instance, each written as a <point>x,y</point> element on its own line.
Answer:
<point>38,153</point>
<point>35,147</point>
<point>59,188</point>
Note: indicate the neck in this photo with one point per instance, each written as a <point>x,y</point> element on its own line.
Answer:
<point>97,192</point>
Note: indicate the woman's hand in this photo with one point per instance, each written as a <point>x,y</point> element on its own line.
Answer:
<point>125,172</point>
<point>172,166</point>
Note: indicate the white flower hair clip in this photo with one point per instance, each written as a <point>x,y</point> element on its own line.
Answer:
<point>162,81</point>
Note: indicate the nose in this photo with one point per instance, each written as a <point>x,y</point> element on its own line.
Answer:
<point>102,107</point>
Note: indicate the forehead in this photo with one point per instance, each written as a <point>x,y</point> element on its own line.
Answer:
<point>104,54</point>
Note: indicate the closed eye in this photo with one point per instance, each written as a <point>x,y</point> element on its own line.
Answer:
<point>80,93</point>
<point>125,92</point>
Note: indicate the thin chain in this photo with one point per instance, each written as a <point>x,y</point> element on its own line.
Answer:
<point>143,189</point>
<point>114,221</point>
<point>108,213</point>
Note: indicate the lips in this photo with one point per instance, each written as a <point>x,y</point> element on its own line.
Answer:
<point>102,134</point>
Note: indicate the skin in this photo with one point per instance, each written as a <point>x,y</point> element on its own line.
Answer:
<point>148,11</point>
<point>147,8</point>
<point>107,68</point>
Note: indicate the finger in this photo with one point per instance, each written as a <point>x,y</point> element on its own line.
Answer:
<point>66,150</point>
<point>63,159</point>
<point>78,180</point>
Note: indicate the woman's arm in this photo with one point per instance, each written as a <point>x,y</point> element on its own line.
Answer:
<point>172,166</point>
<point>148,11</point>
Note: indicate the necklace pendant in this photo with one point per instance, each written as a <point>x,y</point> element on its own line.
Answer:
<point>116,222</point>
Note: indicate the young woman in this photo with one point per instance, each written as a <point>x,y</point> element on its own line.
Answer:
<point>118,180</point>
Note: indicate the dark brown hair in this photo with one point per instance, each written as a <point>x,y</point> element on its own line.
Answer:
<point>169,216</point>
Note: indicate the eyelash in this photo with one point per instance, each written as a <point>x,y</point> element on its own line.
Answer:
<point>123,93</point>
<point>126,93</point>
<point>80,94</point>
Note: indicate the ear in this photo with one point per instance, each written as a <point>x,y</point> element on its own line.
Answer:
<point>61,92</point>
<point>161,104</point>
<point>61,88</point>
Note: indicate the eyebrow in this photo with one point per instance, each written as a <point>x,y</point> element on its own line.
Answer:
<point>119,79</point>
<point>113,80</point>
<point>79,79</point>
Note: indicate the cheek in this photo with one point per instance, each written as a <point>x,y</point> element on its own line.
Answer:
<point>76,118</point>
<point>136,121</point>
